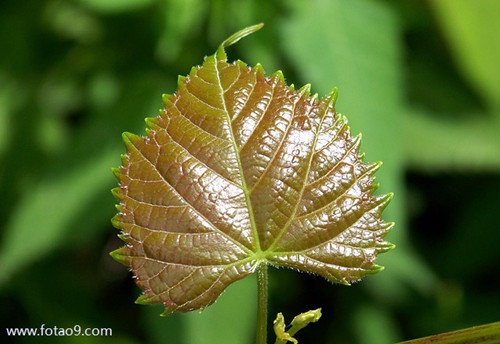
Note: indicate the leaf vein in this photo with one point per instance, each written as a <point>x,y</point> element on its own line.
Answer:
<point>214,227</point>
<point>238,159</point>
<point>349,187</point>
<point>236,115</point>
<point>262,116</point>
<point>277,150</point>
<point>301,193</point>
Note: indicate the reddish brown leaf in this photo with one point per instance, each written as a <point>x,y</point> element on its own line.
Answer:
<point>239,170</point>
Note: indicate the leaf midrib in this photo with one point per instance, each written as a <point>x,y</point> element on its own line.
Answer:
<point>244,186</point>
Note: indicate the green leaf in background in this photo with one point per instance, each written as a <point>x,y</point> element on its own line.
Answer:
<point>180,19</point>
<point>114,6</point>
<point>241,170</point>
<point>454,119</point>
<point>11,96</point>
<point>472,144</point>
<point>472,29</point>
<point>229,315</point>
<point>44,218</point>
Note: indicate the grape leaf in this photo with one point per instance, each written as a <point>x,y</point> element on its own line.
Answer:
<point>239,170</point>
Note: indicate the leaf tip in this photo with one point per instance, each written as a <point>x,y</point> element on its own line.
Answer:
<point>115,222</point>
<point>258,68</point>
<point>123,237</point>
<point>374,167</point>
<point>376,268</point>
<point>278,76</point>
<point>129,138</point>
<point>143,299</point>
<point>181,79</point>
<point>116,192</point>
<point>167,312</point>
<point>166,98</point>
<point>334,95</point>
<point>304,90</point>
<point>121,256</point>
<point>117,173</point>
<point>119,207</point>
<point>150,122</point>
<point>345,282</point>
<point>356,142</point>
<point>385,246</point>
<point>386,199</point>
<point>389,226</point>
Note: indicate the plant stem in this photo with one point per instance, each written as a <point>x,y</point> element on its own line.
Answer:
<point>262,304</point>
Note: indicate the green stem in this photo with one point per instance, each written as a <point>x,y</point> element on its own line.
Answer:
<point>486,334</point>
<point>262,304</point>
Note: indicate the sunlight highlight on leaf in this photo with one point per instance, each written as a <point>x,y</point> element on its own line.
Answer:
<point>240,170</point>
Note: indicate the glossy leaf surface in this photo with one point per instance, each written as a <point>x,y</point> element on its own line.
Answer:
<point>240,170</point>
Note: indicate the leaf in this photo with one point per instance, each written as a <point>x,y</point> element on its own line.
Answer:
<point>466,145</point>
<point>180,18</point>
<point>472,34</point>
<point>43,218</point>
<point>241,170</point>
<point>115,6</point>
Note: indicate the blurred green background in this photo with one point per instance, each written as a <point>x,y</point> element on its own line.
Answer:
<point>419,79</point>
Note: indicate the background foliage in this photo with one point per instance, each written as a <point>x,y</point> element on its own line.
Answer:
<point>420,79</point>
